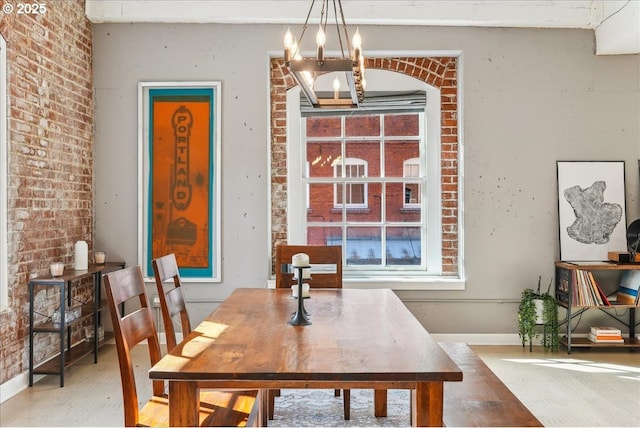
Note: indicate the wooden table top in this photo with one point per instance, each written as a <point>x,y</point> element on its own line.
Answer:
<point>356,335</point>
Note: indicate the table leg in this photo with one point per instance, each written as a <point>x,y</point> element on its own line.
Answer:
<point>265,396</point>
<point>380,403</point>
<point>183,411</point>
<point>427,404</point>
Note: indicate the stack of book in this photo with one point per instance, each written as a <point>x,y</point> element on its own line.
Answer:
<point>605,335</point>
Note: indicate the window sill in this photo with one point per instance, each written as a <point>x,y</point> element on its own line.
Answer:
<point>399,282</point>
<point>355,210</point>
<point>404,282</point>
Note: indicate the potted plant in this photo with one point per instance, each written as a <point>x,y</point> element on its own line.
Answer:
<point>537,308</point>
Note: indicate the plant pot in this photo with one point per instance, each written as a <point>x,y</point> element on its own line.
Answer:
<point>539,305</point>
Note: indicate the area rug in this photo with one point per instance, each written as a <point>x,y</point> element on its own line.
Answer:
<point>319,407</point>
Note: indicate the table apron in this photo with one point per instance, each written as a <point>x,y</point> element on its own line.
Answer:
<point>304,384</point>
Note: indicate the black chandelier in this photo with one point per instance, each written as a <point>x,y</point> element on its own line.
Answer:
<point>306,70</point>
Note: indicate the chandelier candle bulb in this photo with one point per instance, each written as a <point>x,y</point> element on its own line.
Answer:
<point>357,40</point>
<point>305,290</point>
<point>300,260</point>
<point>288,44</point>
<point>321,38</point>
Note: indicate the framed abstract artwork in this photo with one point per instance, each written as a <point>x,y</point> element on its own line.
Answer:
<point>179,176</point>
<point>591,209</point>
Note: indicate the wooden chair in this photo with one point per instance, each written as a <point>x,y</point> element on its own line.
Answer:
<point>217,408</point>
<point>318,255</point>
<point>332,278</point>
<point>172,302</point>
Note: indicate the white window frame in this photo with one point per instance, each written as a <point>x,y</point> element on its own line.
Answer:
<point>296,211</point>
<point>365,188</point>
<point>4,121</point>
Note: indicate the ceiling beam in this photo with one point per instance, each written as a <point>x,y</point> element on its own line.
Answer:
<point>616,22</point>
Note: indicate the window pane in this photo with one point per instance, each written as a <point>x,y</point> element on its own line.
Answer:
<point>324,127</point>
<point>362,126</point>
<point>401,124</point>
<point>396,152</point>
<point>364,246</point>
<point>320,207</point>
<point>321,156</point>
<point>396,210</point>
<point>376,182</point>
<point>354,194</point>
<point>368,152</point>
<point>411,193</point>
<point>371,209</point>
<point>403,246</point>
<point>324,235</point>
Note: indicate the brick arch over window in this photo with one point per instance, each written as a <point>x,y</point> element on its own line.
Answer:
<point>439,72</point>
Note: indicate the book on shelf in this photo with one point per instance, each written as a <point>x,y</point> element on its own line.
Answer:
<point>605,339</point>
<point>605,331</point>
<point>585,290</point>
<point>628,287</point>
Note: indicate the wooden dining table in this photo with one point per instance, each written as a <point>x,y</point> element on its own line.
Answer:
<point>357,339</point>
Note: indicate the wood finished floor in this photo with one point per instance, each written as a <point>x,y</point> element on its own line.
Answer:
<point>586,388</point>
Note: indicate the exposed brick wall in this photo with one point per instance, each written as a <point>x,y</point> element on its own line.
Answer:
<point>50,174</point>
<point>442,73</point>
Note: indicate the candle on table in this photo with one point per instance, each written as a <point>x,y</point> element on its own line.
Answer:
<point>305,290</point>
<point>306,273</point>
<point>300,260</point>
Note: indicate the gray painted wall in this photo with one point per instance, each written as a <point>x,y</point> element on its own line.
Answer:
<point>530,97</point>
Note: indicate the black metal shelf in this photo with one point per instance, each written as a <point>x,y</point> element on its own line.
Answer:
<point>76,353</point>
<point>582,342</point>
<point>564,295</point>
<point>68,353</point>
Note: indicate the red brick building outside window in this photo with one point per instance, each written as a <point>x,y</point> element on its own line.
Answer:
<point>358,193</point>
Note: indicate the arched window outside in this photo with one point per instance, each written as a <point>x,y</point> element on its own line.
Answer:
<point>350,193</point>
<point>412,197</point>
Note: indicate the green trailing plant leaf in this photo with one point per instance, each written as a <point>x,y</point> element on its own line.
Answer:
<point>527,322</point>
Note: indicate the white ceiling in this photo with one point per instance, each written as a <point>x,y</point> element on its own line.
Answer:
<point>616,22</point>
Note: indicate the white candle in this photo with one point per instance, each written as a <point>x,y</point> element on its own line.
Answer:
<point>299,260</point>
<point>305,290</point>
<point>100,257</point>
<point>81,256</point>
<point>57,269</point>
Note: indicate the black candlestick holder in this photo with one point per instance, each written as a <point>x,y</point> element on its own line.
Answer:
<point>301,316</point>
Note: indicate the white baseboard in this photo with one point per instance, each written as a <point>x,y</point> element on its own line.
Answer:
<point>480,339</point>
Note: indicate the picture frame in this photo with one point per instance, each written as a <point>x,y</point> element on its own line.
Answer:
<point>591,209</point>
<point>179,177</point>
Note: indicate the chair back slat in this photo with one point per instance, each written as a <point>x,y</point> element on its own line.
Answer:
<point>175,301</point>
<point>318,255</point>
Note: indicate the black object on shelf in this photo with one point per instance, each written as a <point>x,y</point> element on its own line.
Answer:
<point>633,239</point>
